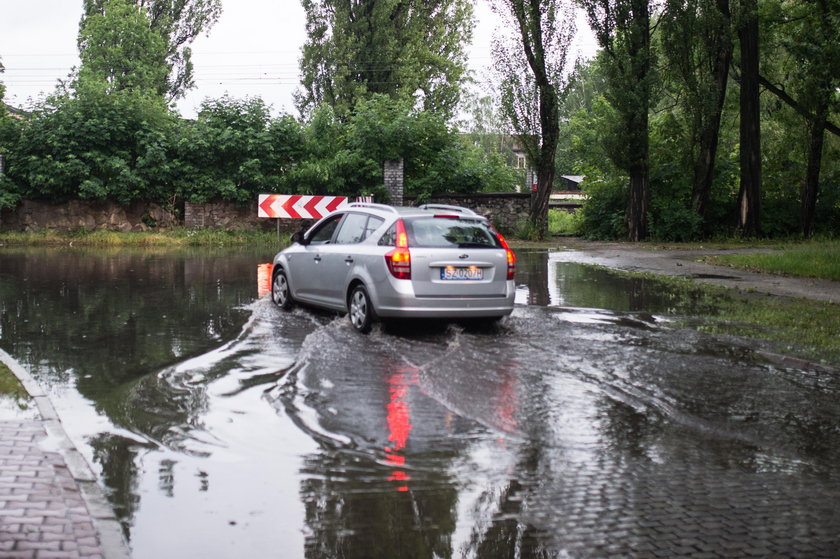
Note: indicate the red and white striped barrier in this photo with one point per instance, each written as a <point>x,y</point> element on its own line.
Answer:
<point>294,206</point>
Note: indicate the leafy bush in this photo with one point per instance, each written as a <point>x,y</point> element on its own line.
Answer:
<point>234,150</point>
<point>674,222</point>
<point>602,215</point>
<point>94,146</point>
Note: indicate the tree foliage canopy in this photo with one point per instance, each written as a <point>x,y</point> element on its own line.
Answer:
<point>176,22</point>
<point>406,49</point>
<point>119,51</point>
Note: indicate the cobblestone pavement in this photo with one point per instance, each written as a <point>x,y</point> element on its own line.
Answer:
<point>42,511</point>
<point>50,503</point>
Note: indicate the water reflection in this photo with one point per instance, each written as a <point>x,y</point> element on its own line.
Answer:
<point>547,280</point>
<point>398,461</point>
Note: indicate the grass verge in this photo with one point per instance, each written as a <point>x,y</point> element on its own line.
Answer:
<point>563,223</point>
<point>799,327</point>
<point>10,387</point>
<point>813,260</point>
<point>803,328</point>
<point>169,238</point>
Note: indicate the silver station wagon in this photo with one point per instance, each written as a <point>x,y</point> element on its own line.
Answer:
<point>376,261</point>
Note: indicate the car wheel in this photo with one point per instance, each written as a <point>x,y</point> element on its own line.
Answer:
<point>361,310</point>
<point>280,293</point>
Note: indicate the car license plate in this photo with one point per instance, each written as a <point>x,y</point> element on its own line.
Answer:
<point>457,273</point>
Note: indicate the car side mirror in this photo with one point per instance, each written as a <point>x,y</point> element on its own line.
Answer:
<point>298,238</point>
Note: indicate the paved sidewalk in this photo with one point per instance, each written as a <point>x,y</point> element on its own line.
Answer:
<point>50,503</point>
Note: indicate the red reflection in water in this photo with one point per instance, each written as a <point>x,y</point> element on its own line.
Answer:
<point>399,425</point>
<point>264,279</point>
<point>507,401</point>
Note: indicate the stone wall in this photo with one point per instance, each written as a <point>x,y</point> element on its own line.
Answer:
<point>31,216</point>
<point>507,211</point>
<point>230,216</point>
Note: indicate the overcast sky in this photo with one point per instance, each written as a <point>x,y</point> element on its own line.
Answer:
<point>253,50</point>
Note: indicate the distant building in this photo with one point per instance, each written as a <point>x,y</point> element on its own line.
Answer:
<point>568,183</point>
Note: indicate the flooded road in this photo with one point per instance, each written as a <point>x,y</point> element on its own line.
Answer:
<point>586,424</point>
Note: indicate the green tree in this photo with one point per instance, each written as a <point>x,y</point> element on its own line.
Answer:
<point>623,29</point>
<point>406,49</point>
<point>808,77</point>
<point>486,130</point>
<point>532,68</point>
<point>345,157</point>
<point>119,52</point>
<point>749,196</point>
<point>177,23</point>
<point>580,150</point>
<point>698,44</point>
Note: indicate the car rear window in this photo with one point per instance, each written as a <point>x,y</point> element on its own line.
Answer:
<point>443,232</point>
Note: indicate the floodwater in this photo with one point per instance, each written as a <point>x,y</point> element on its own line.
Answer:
<point>586,424</point>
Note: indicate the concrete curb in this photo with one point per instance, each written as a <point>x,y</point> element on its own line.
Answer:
<point>108,529</point>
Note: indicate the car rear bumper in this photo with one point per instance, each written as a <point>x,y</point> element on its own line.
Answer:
<point>407,305</point>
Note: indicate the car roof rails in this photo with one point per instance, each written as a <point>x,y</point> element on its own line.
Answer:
<point>449,208</point>
<point>373,206</point>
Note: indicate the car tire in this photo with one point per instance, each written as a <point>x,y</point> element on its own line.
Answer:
<point>280,292</point>
<point>360,309</point>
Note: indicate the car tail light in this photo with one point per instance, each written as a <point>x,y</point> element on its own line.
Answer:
<point>399,259</point>
<point>511,258</point>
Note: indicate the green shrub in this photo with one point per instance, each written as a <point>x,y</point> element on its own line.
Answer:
<point>602,215</point>
<point>674,223</point>
<point>563,223</point>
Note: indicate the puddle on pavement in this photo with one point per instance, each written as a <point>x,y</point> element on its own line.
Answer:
<point>222,426</point>
<point>547,281</point>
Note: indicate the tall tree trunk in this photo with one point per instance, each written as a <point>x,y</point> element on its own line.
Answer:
<point>637,205</point>
<point>539,206</point>
<point>639,196</point>
<point>546,166</point>
<point>812,177</point>
<point>704,167</point>
<point>749,197</point>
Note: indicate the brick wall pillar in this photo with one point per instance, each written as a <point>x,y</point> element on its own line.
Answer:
<point>394,180</point>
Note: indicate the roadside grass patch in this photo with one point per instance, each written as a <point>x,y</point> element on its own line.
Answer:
<point>802,328</point>
<point>813,260</point>
<point>563,223</point>
<point>12,389</point>
<point>805,328</point>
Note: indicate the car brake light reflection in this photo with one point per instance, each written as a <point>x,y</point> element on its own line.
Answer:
<point>264,279</point>
<point>399,426</point>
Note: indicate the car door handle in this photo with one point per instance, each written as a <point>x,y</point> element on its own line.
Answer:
<point>349,260</point>
<point>317,258</point>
